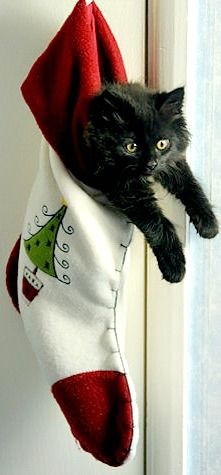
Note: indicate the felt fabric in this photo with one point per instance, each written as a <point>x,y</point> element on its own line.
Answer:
<point>81,56</point>
<point>98,408</point>
<point>71,289</point>
<point>72,263</point>
<point>12,274</point>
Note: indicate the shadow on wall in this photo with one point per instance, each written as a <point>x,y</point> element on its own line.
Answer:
<point>26,28</point>
<point>22,38</point>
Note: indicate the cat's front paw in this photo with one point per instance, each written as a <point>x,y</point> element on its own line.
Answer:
<point>206,225</point>
<point>172,264</point>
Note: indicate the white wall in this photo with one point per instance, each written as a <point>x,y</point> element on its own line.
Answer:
<point>203,308</point>
<point>34,436</point>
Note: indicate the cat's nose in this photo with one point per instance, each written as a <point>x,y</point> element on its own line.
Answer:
<point>152,164</point>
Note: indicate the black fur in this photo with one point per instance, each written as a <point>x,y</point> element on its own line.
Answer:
<point>131,114</point>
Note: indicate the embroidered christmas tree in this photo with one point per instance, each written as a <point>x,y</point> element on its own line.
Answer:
<point>41,250</point>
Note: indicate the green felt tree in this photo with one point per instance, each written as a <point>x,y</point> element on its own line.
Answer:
<point>40,247</point>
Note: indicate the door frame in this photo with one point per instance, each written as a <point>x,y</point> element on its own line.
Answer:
<point>165,70</point>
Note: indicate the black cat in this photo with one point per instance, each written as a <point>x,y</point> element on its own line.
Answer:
<point>135,136</point>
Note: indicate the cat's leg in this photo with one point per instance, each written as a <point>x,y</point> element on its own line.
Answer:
<point>159,233</point>
<point>179,180</point>
<point>171,265</point>
<point>162,238</point>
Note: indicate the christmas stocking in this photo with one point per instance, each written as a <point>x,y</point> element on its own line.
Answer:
<point>72,269</point>
<point>72,263</point>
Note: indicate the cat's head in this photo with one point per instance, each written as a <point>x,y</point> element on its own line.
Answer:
<point>135,132</point>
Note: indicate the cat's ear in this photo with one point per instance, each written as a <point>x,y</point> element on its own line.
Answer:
<point>108,104</point>
<point>170,103</point>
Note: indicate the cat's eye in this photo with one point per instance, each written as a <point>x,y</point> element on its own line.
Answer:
<point>162,144</point>
<point>131,147</point>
